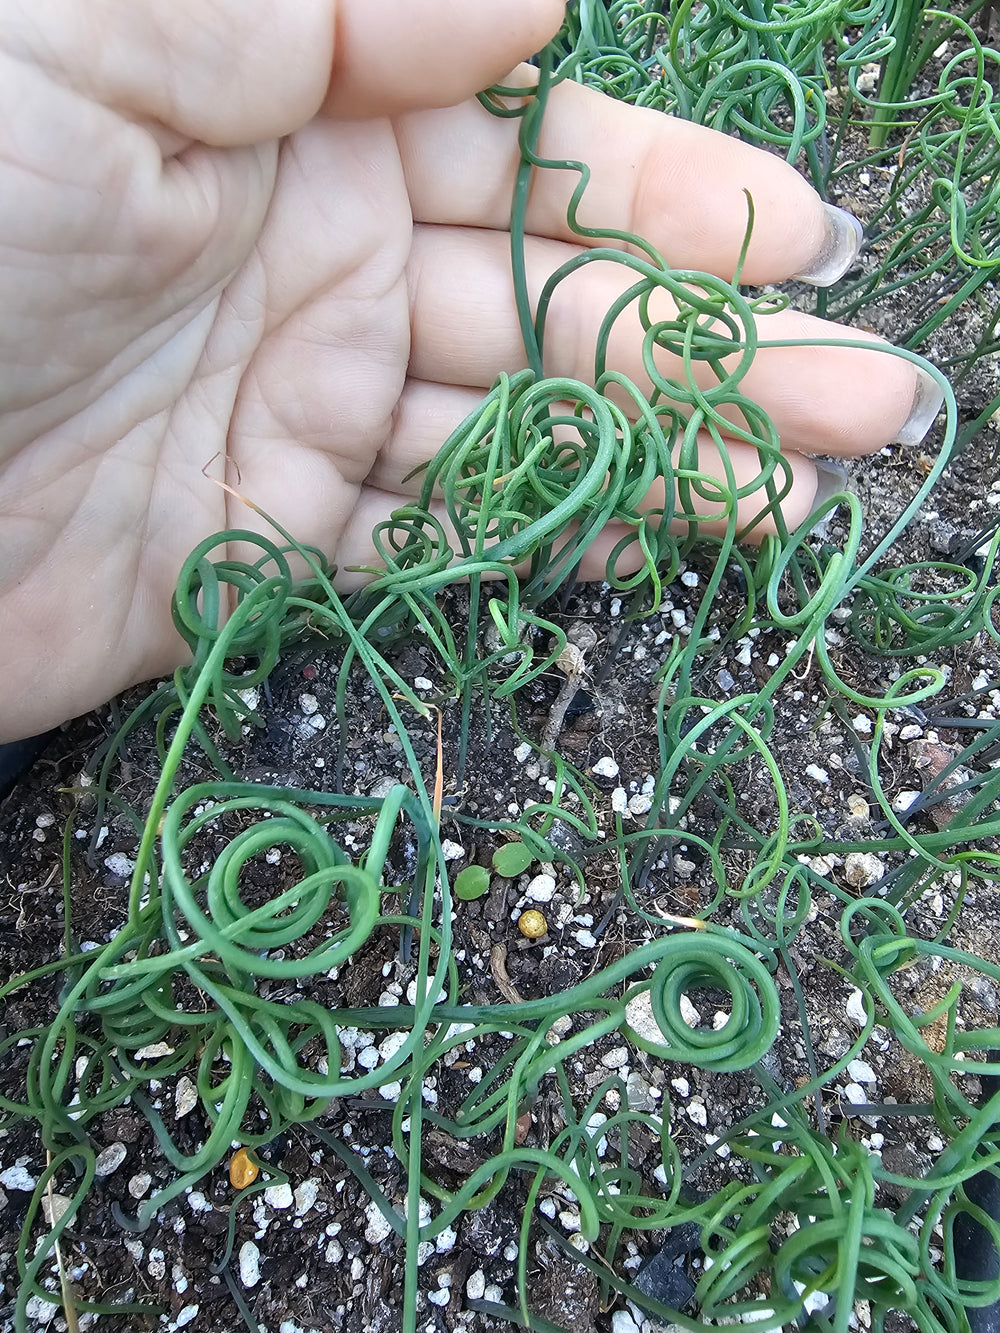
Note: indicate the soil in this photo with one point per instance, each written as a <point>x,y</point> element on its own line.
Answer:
<point>323,1266</point>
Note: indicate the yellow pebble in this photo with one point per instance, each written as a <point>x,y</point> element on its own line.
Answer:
<point>532,924</point>
<point>242,1172</point>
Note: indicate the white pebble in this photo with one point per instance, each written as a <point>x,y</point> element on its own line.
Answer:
<point>110,1159</point>
<point>816,773</point>
<point>119,864</point>
<point>155,1051</point>
<point>855,1093</point>
<point>541,889</point>
<point>378,1229</point>
<point>855,1008</point>
<point>40,1312</point>
<point>139,1184</point>
<point>186,1315</point>
<point>17,1178</point>
<point>249,1264</point>
<point>862,869</point>
<point>452,851</point>
<point>903,800</point>
<point>585,939</point>
<point>616,1058</point>
<point>185,1097</point>
<point>640,1018</point>
<point>640,804</point>
<point>308,703</point>
<point>606,767</point>
<point>279,1196</point>
<point>861,1072</point>
<point>475,1285</point>
<point>619,801</point>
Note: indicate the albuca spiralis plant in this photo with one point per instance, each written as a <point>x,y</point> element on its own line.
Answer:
<point>804,1227</point>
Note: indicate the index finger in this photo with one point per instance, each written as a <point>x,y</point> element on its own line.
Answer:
<point>681,186</point>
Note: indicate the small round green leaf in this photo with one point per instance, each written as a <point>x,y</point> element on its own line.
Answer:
<point>472,882</point>
<point>512,859</point>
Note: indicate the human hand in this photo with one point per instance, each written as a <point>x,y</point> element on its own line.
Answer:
<point>267,245</point>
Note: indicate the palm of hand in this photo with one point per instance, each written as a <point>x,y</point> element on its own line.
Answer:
<point>249,324</point>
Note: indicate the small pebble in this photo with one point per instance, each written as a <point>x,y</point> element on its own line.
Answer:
<point>541,889</point>
<point>185,1097</point>
<point>855,1008</point>
<point>119,864</point>
<point>249,1264</point>
<point>110,1159</point>
<point>622,1322</point>
<point>862,869</point>
<point>606,767</point>
<point>17,1178</point>
<point>378,1229</point>
<point>279,1196</point>
<point>861,1072</point>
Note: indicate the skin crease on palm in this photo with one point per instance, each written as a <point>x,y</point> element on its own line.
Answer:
<point>266,243</point>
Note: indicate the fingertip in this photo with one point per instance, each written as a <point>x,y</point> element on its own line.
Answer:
<point>391,56</point>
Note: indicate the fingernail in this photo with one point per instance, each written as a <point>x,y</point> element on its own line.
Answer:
<point>831,480</point>
<point>927,402</point>
<point>844,235</point>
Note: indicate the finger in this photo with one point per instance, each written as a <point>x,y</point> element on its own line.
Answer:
<point>678,185</point>
<point>393,55</point>
<point>708,503</point>
<point>226,72</point>
<point>837,400</point>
